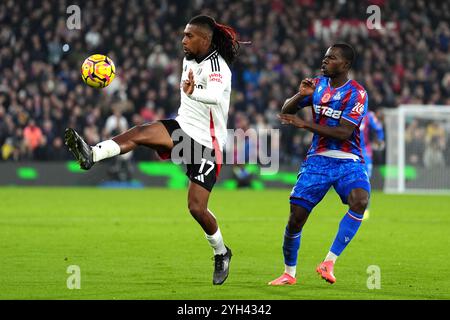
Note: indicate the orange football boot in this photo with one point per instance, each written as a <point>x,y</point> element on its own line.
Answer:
<point>325,269</point>
<point>284,279</point>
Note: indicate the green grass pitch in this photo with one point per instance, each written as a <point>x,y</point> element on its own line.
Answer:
<point>143,244</point>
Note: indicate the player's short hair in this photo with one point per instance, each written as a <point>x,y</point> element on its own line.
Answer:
<point>347,51</point>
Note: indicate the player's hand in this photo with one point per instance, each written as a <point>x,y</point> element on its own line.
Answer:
<point>307,87</point>
<point>189,84</point>
<point>292,119</point>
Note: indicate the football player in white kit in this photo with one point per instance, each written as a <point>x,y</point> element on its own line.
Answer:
<point>199,130</point>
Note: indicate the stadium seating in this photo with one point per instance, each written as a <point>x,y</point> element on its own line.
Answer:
<point>405,62</point>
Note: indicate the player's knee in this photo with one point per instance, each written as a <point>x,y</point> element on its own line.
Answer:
<point>294,226</point>
<point>297,220</point>
<point>196,208</point>
<point>359,204</point>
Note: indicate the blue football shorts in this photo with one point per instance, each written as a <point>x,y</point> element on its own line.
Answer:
<point>318,173</point>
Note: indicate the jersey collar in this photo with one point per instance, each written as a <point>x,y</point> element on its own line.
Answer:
<point>328,83</point>
<point>206,57</point>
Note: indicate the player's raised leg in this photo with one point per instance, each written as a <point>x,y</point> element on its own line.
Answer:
<point>152,135</point>
<point>198,198</point>
<point>349,225</point>
<point>291,245</point>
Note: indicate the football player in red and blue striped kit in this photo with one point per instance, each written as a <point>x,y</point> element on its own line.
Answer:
<point>370,123</point>
<point>334,158</point>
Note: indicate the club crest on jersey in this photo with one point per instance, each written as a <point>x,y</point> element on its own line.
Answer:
<point>337,96</point>
<point>326,97</point>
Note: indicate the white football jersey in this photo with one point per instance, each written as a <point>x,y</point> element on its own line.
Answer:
<point>205,112</point>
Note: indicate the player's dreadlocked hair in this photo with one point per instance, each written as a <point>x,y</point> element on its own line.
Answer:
<point>224,37</point>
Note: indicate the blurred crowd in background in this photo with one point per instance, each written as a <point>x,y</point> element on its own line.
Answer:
<point>41,92</point>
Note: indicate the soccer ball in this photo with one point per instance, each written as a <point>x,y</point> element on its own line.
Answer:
<point>98,71</point>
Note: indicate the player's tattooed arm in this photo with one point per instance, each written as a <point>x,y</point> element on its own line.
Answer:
<point>341,132</point>
<point>305,89</point>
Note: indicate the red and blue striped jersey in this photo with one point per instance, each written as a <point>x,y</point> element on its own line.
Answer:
<point>330,104</point>
<point>369,123</point>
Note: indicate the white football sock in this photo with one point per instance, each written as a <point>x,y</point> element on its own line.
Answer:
<point>331,256</point>
<point>105,149</point>
<point>290,270</point>
<point>216,242</point>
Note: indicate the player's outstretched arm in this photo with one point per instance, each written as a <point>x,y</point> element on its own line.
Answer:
<point>341,132</point>
<point>306,89</point>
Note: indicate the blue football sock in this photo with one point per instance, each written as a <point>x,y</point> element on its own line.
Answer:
<point>291,244</point>
<point>347,230</point>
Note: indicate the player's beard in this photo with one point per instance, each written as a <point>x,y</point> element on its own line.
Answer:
<point>189,55</point>
<point>325,71</point>
<point>328,73</point>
